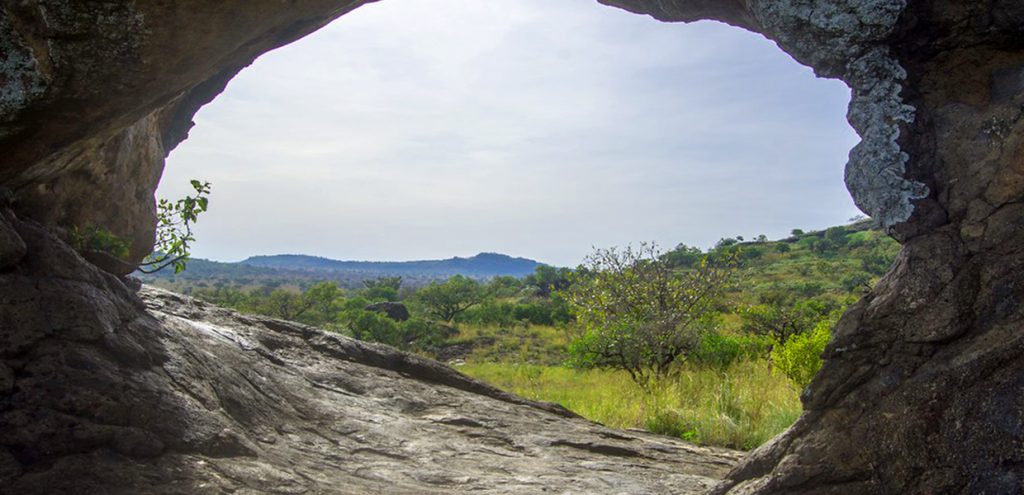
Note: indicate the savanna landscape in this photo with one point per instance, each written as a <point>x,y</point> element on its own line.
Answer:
<point>736,364</point>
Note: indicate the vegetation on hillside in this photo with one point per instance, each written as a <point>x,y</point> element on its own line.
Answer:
<point>721,363</point>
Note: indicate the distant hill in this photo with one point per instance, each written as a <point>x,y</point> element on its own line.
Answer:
<point>483,265</point>
<point>300,269</point>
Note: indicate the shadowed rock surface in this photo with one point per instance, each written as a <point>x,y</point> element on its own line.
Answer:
<point>106,391</point>
<point>922,388</point>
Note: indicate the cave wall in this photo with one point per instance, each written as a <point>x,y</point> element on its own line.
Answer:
<point>921,391</point>
<point>93,95</point>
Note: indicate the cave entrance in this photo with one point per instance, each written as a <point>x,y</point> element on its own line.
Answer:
<point>426,131</point>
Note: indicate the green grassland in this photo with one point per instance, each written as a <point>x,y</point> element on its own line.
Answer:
<point>738,388</point>
<point>740,406</point>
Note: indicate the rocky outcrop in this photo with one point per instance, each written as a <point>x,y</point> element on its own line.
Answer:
<point>93,95</point>
<point>921,391</point>
<point>105,390</point>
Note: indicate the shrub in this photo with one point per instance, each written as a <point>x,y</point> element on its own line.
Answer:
<point>97,239</point>
<point>413,334</point>
<point>494,313</point>
<point>373,327</point>
<point>800,357</point>
<point>722,350</point>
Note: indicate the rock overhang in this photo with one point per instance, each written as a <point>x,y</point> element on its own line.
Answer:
<point>844,39</point>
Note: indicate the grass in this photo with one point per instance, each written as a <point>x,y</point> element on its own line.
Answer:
<point>739,407</point>
<point>533,344</point>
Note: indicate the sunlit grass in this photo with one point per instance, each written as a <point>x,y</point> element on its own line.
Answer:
<point>532,344</point>
<point>740,407</point>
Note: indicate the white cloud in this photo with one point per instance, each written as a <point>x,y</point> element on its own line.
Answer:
<point>430,128</point>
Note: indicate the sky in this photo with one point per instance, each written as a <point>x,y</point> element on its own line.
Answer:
<point>426,129</point>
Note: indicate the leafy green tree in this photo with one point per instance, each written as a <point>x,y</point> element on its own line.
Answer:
<point>725,242</point>
<point>504,286</point>
<point>547,279</point>
<point>382,288</point>
<point>634,312</point>
<point>283,304</point>
<point>836,235</point>
<point>320,301</point>
<point>174,230</point>
<point>290,305</point>
<point>445,301</point>
<point>683,256</point>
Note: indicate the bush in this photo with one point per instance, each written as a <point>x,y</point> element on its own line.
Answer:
<point>722,350</point>
<point>494,313</point>
<point>800,357</point>
<point>372,326</point>
<point>413,334</point>
<point>97,239</point>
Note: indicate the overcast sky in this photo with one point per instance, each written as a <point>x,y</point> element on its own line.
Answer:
<point>417,129</point>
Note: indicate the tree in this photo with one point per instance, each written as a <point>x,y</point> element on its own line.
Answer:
<point>778,320</point>
<point>634,312</point>
<point>284,304</point>
<point>547,279</point>
<point>444,301</point>
<point>382,288</point>
<point>837,236</point>
<point>504,286</point>
<point>683,256</point>
<point>289,305</point>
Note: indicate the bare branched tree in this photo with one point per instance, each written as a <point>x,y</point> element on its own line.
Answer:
<point>635,312</point>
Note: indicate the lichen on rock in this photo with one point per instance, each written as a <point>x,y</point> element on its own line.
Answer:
<point>876,172</point>
<point>21,80</point>
<point>846,39</point>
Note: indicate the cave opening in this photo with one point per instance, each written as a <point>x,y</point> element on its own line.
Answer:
<point>426,131</point>
<point>109,386</point>
<point>408,130</point>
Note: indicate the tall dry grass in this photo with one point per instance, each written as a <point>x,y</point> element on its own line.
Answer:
<point>741,406</point>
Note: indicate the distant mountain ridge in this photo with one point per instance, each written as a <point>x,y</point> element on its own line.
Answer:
<point>297,269</point>
<point>481,265</point>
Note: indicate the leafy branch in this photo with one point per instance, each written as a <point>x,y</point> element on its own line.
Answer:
<point>174,230</point>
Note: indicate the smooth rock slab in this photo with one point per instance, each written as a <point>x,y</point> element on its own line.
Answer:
<point>113,392</point>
